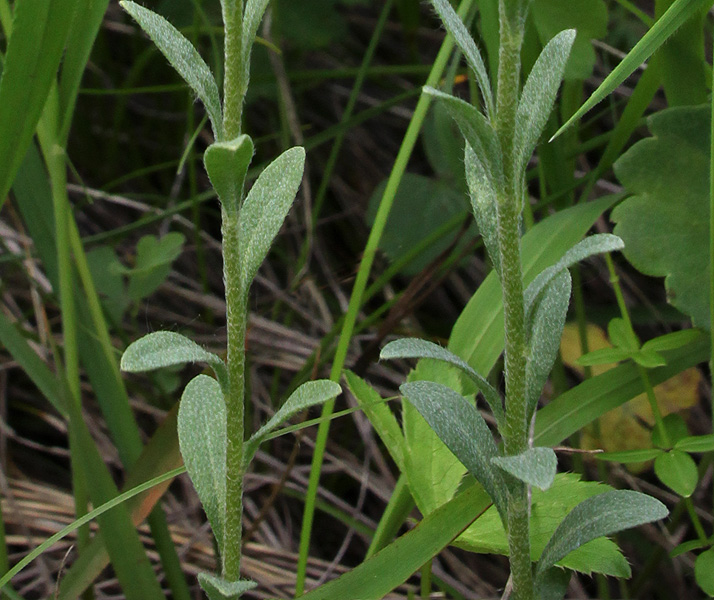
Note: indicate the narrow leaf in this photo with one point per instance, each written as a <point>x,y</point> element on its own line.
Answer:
<point>227,164</point>
<point>455,26</point>
<point>184,58</point>
<point>649,359</point>
<point>166,349</point>
<point>220,589</point>
<point>626,457</point>
<point>547,329</point>
<point>483,202</point>
<point>604,356</point>
<point>672,341</point>
<point>253,15</point>
<point>538,96</point>
<point>265,209</point>
<point>416,348</point>
<point>696,443</point>
<point>463,430</point>
<point>202,439</point>
<point>689,546</point>
<point>307,395</point>
<point>676,15</point>
<point>621,335</point>
<point>704,571</point>
<point>678,471</point>
<point>598,516</point>
<point>536,466</point>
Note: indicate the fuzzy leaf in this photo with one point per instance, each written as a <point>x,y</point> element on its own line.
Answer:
<point>678,471</point>
<point>167,348</point>
<point>416,348</point>
<point>253,15</point>
<point>536,466</point>
<point>477,130</point>
<point>184,58</point>
<point>226,164</point>
<point>553,584</point>
<point>462,428</point>
<point>455,26</point>
<point>220,589</point>
<point>538,96</point>
<point>307,395</point>
<point>202,439</point>
<point>265,209</point>
<point>672,341</point>
<point>547,329</point>
<point>483,202</point>
<point>591,245</point>
<point>696,443</point>
<point>599,516</point>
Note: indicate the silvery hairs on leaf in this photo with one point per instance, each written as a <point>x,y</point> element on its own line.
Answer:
<point>252,16</point>
<point>183,57</point>
<point>483,202</point>
<point>227,164</point>
<point>220,589</point>
<point>535,466</point>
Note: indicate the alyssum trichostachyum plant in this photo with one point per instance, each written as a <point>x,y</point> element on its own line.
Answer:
<point>500,139</point>
<point>211,414</point>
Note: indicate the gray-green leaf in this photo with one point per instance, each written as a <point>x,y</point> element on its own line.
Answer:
<point>184,58</point>
<point>416,348</point>
<point>483,202</point>
<point>535,466</point>
<point>265,209</point>
<point>547,328</point>
<point>553,585</point>
<point>202,439</point>
<point>599,516</point>
<point>167,348</point>
<point>462,428</point>
<point>538,96</point>
<point>307,395</point>
<point>220,589</point>
<point>455,26</point>
<point>253,15</point>
<point>227,164</point>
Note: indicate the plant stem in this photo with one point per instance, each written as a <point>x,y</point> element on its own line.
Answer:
<point>234,84</point>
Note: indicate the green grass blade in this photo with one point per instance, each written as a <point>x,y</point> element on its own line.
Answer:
<point>677,14</point>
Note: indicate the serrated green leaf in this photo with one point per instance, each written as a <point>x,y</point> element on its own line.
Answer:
<point>462,428</point>
<point>547,328</point>
<point>167,348</point>
<point>704,571</point>
<point>217,588</point>
<point>604,356</point>
<point>678,471</point>
<point>483,202</point>
<point>599,516</point>
<point>535,466</point>
<point>308,394</point>
<point>538,97</point>
<point>416,348</point>
<point>455,26</point>
<point>184,58</point>
<point>672,341</point>
<point>696,443</point>
<point>265,209</point>
<point>630,456</point>
<point>153,263</point>
<point>621,335</point>
<point>202,439</point>
<point>227,164</point>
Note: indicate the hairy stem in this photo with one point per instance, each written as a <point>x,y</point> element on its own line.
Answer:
<point>234,84</point>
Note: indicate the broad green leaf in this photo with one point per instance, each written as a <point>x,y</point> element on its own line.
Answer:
<point>227,164</point>
<point>704,571</point>
<point>672,341</point>
<point>626,457</point>
<point>462,428</point>
<point>184,58</point>
<point>538,97</point>
<point>153,263</point>
<point>599,516</point>
<point>553,585</point>
<point>308,394</point>
<point>696,443</point>
<point>28,71</point>
<point>677,14</point>
<point>265,209</point>
<point>483,202</point>
<point>621,335</point>
<point>416,348</point>
<point>664,238</point>
<point>590,246</point>
<point>392,566</point>
<point>455,26</point>
<point>548,509</point>
<point>478,132</point>
<point>220,589</point>
<point>547,329</point>
<point>107,272</point>
<point>381,417</point>
<point>167,348</point>
<point>202,438</point>
<point>536,466</point>
<point>649,359</point>
<point>678,471</point>
<point>604,356</point>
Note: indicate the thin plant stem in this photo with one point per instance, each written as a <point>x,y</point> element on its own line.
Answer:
<point>711,248</point>
<point>400,164</point>
<point>234,86</point>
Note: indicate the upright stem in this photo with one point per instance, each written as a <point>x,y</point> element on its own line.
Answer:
<point>234,84</point>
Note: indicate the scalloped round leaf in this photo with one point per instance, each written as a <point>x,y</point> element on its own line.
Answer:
<point>666,238</point>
